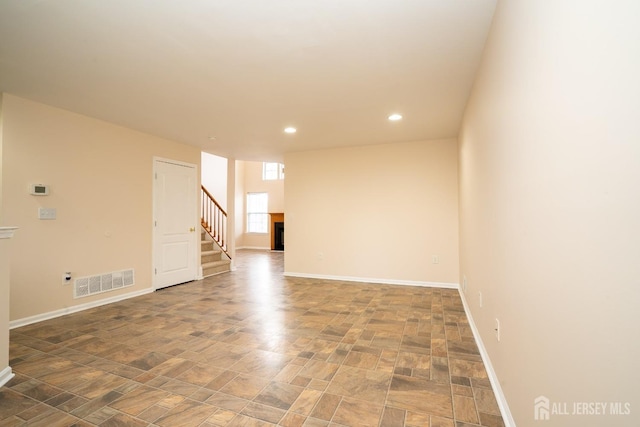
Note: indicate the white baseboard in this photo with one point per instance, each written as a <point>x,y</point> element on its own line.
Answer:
<point>493,378</point>
<point>5,375</point>
<point>255,248</point>
<point>374,280</point>
<point>74,309</point>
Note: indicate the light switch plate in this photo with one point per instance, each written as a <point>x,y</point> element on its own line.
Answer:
<point>46,213</point>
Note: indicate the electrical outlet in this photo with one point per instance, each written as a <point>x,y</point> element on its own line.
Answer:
<point>497,329</point>
<point>480,298</point>
<point>435,259</point>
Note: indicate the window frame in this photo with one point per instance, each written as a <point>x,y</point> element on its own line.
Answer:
<point>251,223</point>
<point>271,172</point>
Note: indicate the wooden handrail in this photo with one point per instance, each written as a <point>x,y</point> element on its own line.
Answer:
<point>214,219</point>
<point>212,199</point>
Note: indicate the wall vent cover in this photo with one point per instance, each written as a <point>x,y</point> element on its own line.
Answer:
<point>105,282</point>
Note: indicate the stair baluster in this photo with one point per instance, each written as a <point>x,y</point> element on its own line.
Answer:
<point>214,219</point>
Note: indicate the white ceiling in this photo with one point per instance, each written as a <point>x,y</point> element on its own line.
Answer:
<point>242,70</point>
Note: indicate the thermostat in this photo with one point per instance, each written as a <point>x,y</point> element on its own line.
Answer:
<point>39,189</point>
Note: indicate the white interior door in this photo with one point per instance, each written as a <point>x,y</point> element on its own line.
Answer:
<point>175,216</point>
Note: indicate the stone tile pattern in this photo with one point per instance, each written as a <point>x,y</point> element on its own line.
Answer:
<point>254,348</point>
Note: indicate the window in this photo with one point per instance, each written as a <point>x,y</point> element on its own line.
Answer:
<point>257,215</point>
<point>272,171</point>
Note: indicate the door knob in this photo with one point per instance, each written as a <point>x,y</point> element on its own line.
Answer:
<point>192,229</point>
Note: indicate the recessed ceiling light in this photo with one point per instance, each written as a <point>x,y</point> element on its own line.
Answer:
<point>290,130</point>
<point>395,117</point>
<point>212,138</point>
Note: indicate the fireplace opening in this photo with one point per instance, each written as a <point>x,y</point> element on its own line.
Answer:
<point>278,231</point>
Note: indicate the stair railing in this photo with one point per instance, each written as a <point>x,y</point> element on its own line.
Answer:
<point>214,219</point>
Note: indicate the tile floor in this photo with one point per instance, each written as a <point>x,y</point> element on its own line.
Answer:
<point>253,348</point>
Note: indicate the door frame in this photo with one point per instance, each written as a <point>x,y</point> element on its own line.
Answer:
<point>196,209</point>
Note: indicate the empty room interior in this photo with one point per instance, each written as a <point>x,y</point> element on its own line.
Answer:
<point>336,213</point>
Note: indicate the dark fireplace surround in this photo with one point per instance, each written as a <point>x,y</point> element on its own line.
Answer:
<point>277,231</point>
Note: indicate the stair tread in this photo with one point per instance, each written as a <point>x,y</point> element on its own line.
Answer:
<point>215,263</point>
<point>213,252</point>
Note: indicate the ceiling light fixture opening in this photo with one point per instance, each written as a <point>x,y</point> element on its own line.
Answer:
<point>290,130</point>
<point>395,117</point>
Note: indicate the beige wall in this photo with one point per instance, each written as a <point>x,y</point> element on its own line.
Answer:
<point>4,309</point>
<point>1,137</point>
<point>377,212</point>
<point>101,185</point>
<point>214,177</point>
<point>4,279</point>
<point>239,204</point>
<point>550,204</point>
<point>253,183</point>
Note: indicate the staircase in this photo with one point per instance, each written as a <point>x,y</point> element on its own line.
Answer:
<point>212,259</point>
<point>213,246</point>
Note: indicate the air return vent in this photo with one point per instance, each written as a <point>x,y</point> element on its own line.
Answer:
<point>91,285</point>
